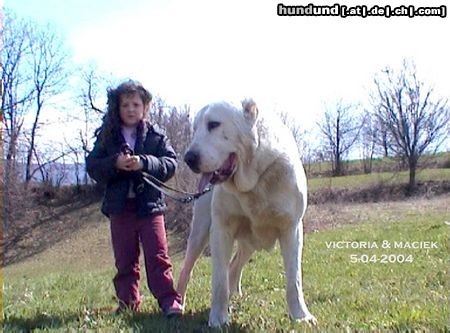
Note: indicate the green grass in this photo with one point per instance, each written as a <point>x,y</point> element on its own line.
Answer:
<point>374,295</point>
<point>383,178</point>
<point>438,160</point>
<point>342,295</point>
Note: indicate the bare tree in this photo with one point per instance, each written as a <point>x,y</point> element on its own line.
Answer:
<point>369,140</point>
<point>16,98</point>
<point>177,124</point>
<point>299,135</point>
<point>78,155</point>
<point>16,91</point>
<point>49,74</point>
<point>47,159</point>
<point>33,71</point>
<point>384,139</point>
<point>340,130</point>
<point>93,85</point>
<point>416,122</point>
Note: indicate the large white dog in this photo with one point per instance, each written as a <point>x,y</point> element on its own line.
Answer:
<point>259,196</point>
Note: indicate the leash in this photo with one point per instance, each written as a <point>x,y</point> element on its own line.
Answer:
<point>160,186</point>
<point>186,197</point>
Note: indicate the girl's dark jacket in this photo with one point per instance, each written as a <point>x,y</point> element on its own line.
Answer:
<point>159,160</point>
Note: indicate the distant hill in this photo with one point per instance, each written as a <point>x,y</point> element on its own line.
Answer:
<point>59,173</point>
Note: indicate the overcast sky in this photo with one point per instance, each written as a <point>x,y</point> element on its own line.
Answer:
<point>197,51</point>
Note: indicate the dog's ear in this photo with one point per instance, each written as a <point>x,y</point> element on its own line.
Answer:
<point>250,110</point>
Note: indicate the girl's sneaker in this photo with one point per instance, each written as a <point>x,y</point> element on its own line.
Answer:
<point>174,310</point>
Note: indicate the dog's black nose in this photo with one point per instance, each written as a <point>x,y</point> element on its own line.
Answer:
<point>192,159</point>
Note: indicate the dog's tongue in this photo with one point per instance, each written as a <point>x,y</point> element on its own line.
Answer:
<point>206,178</point>
<point>219,175</point>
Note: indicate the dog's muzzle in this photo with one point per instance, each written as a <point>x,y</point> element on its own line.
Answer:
<point>192,159</point>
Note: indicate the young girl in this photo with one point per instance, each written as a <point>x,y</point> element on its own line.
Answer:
<point>135,210</point>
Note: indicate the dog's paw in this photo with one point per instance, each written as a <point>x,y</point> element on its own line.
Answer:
<point>309,319</point>
<point>217,320</point>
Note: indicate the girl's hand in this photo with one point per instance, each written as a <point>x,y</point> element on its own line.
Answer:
<point>128,162</point>
<point>135,163</point>
<point>122,162</point>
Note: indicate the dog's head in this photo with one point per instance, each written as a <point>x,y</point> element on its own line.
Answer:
<point>224,137</point>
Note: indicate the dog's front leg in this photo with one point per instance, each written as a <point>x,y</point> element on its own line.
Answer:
<point>198,237</point>
<point>291,244</point>
<point>196,244</point>
<point>221,243</point>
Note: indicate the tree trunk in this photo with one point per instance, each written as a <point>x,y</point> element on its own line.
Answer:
<point>338,169</point>
<point>28,174</point>
<point>412,175</point>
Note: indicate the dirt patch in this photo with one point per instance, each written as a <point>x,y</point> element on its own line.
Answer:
<point>49,226</point>
<point>77,231</point>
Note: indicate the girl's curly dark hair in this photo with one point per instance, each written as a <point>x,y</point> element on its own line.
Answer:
<point>111,126</point>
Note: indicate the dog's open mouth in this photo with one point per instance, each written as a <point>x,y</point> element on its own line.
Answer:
<point>220,175</point>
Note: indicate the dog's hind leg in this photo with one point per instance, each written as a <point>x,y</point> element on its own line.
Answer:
<point>241,257</point>
<point>198,238</point>
<point>291,243</point>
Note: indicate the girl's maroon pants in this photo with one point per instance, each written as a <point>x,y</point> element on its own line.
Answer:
<point>128,231</point>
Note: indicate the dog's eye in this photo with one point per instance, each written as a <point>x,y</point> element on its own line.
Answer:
<point>212,125</point>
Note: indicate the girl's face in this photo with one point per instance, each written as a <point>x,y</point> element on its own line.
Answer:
<point>131,110</point>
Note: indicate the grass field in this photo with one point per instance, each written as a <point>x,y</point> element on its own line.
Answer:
<point>383,178</point>
<point>379,165</point>
<point>55,292</point>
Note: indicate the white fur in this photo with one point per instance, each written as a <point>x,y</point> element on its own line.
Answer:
<point>263,201</point>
